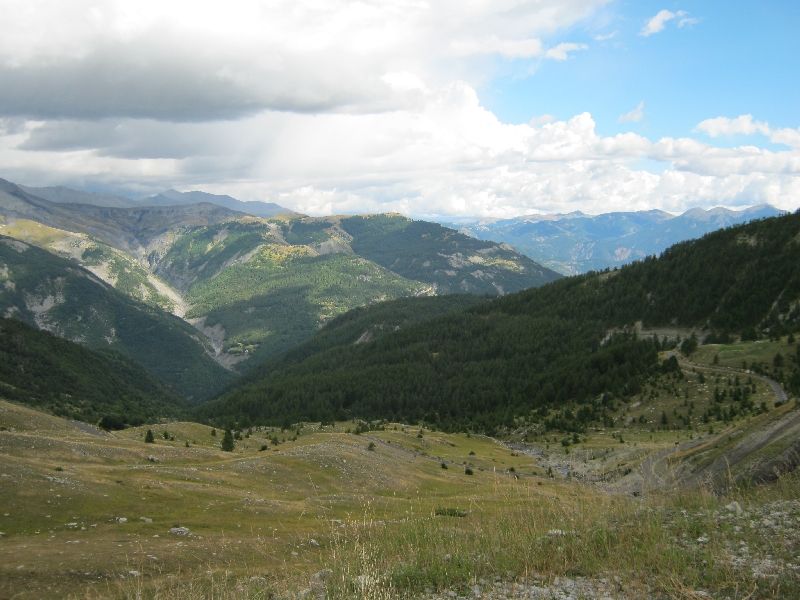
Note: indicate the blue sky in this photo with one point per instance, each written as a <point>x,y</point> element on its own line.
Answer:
<point>431,108</point>
<point>740,57</point>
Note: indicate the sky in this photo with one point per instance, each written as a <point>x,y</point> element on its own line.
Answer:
<point>430,108</point>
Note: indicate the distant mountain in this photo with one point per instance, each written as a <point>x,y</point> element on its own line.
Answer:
<point>255,208</point>
<point>576,242</point>
<point>65,195</point>
<point>47,372</point>
<point>256,286</point>
<point>137,231</point>
<point>564,352</point>
<point>56,295</point>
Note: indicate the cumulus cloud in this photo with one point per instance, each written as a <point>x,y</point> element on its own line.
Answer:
<point>747,125</point>
<point>447,155</point>
<point>659,21</point>
<point>741,125</point>
<point>635,115</point>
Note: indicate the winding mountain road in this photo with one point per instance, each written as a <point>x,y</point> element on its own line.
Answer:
<point>657,472</point>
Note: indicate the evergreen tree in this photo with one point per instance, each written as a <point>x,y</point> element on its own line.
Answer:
<point>149,438</point>
<point>227,441</point>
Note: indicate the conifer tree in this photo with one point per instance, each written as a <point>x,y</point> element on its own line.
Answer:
<point>149,438</point>
<point>227,441</point>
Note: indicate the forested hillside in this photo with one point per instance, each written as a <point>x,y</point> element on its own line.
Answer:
<point>46,372</point>
<point>569,345</point>
<point>58,296</point>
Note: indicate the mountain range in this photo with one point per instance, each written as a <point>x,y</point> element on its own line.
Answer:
<point>250,286</point>
<point>64,195</point>
<point>577,242</point>
<point>284,318</point>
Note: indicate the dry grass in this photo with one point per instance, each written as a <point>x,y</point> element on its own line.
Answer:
<point>388,522</point>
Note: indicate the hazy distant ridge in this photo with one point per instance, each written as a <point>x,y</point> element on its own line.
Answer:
<point>576,242</point>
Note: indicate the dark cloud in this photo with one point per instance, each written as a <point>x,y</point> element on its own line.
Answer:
<point>153,80</point>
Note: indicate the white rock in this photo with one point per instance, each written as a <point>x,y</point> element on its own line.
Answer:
<point>734,507</point>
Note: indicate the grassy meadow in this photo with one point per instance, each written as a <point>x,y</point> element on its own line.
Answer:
<point>389,513</point>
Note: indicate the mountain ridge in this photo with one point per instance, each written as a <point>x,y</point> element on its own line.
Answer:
<point>576,242</point>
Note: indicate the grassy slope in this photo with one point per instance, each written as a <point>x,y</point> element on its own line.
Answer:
<point>270,284</point>
<point>372,516</point>
<point>55,294</point>
<point>50,373</point>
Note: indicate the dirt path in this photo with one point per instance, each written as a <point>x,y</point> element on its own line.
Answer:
<point>777,389</point>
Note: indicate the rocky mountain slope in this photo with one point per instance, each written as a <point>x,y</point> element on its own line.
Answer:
<point>255,286</point>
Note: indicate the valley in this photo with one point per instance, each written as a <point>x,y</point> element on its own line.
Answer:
<point>391,510</point>
<point>376,407</point>
<point>399,300</point>
<point>256,285</point>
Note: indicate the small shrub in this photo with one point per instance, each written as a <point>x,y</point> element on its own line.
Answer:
<point>444,465</point>
<point>468,471</point>
<point>263,447</point>
<point>149,438</point>
<point>371,446</point>
<point>449,512</point>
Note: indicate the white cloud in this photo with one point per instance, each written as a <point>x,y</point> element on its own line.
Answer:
<point>741,125</point>
<point>446,155</point>
<point>635,115</point>
<point>659,21</point>
<point>747,125</point>
<point>563,50</point>
<point>604,37</point>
